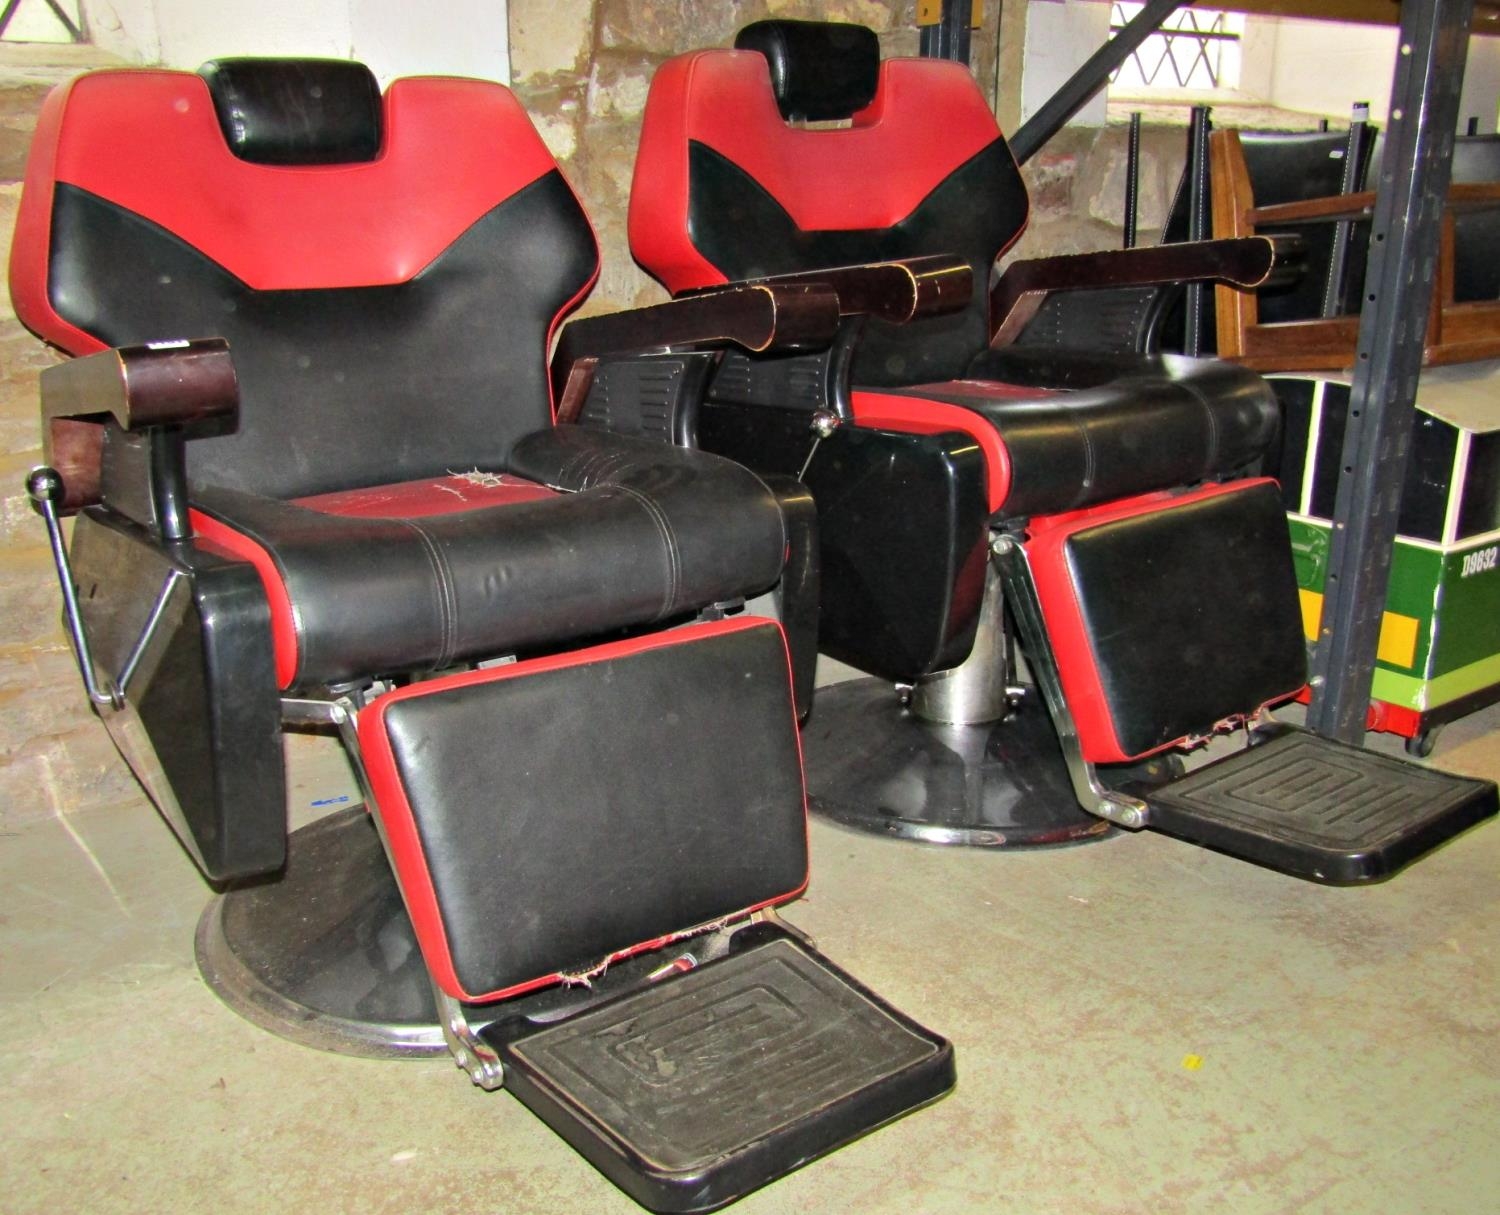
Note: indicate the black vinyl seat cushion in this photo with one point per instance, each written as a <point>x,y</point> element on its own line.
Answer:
<point>637,533</point>
<point>1108,427</point>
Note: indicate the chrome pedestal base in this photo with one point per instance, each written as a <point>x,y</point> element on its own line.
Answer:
<point>875,766</point>
<point>324,955</point>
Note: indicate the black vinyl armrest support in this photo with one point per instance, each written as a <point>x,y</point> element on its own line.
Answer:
<point>759,318</point>
<point>165,384</point>
<point>1245,262</point>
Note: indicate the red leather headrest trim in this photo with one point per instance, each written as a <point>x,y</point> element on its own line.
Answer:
<point>927,119</point>
<point>274,227</point>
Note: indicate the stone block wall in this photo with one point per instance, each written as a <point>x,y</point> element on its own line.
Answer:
<point>582,69</point>
<point>55,756</point>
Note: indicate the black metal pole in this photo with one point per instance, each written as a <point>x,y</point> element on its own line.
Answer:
<point>1355,155</point>
<point>1132,178</point>
<point>949,38</point>
<point>1195,307</point>
<point>1089,79</point>
<point>1388,358</point>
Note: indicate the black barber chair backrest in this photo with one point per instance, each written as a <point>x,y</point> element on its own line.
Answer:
<point>907,161</point>
<point>1290,166</point>
<point>1476,234</point>
<point>387,270</point>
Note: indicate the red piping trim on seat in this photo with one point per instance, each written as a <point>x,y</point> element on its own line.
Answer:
<point>1077,662</point>
<point>213,533</point>
<point>407,856</point>
<point>421,499</point>
<point>916,416</point>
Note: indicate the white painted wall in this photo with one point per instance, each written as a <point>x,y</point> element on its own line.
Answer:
<point>1323,66</point>
<point>1060,36</point>
<point>395,37</point>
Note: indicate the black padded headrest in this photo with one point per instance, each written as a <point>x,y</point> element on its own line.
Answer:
<point>820,70</point>
<point>296,111</point>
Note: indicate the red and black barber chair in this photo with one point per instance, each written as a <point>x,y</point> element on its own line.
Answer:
<point>1106,504</point>
<point>308,438</point>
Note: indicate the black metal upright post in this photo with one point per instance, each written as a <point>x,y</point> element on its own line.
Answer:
<point>949,38</point>
<point>1399,280</point>
<point>1199,227</point>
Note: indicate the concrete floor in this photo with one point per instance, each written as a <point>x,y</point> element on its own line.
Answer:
<point>1141,1026</point>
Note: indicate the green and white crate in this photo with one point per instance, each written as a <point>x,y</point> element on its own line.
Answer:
<point>1439,651</point>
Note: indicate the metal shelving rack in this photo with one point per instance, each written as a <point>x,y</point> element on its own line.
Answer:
<point>1399,276</point>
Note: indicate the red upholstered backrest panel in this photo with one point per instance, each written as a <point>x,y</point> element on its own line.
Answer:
<point>347,225</point>
<point>927,119</point>
<point>389,319</point>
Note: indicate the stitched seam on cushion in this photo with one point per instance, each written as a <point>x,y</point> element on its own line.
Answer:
<point>1211,456</point>
<point>1090,462</point>
<point>447,597</point>
<point>669,539</point>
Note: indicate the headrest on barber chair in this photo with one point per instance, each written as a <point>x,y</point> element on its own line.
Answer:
<point>820,70</point>
<point>296,111</point>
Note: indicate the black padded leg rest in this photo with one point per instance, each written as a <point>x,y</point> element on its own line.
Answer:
<point>691,1093</point>
<point>1320,809</point>
<point>1170,615</point>
<point>548,815</point>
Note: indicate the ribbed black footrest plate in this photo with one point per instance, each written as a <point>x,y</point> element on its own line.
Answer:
<point>691,1093</point>
<point>1319,809</point>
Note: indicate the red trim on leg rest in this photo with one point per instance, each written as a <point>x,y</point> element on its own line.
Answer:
<point>1076,659</point>
<point>913,415</point>
<point>404,842</point>
<point>723,99</point>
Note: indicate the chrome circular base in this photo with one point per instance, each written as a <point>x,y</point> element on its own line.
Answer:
<point>875,766</point>
<point>324,954</point>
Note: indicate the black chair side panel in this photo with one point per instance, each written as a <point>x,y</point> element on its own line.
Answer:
<point>201,728</point>
<point>902,530</point>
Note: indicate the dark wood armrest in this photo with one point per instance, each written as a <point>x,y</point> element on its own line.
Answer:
<point>895,291</point>
<point>760,318</point>
<point>1245,261</point>
<point>1462,197</point>
<point>163,384</point>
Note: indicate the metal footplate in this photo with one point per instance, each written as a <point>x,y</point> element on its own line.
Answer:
<point>1319,809</point>
<point>692,1092</point>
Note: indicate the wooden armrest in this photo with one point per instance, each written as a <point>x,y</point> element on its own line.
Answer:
<point>1245,262</point>
<point>1462,197</point>
<point>895,291</point>
<point>760,318</point>
<point>161,384</point>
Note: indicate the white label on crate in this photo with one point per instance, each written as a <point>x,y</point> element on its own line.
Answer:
<point>1479,562</point>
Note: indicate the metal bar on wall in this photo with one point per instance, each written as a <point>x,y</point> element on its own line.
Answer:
<point>1081,86</point>
<point>948,36</point>
<point>1399,280</point>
